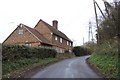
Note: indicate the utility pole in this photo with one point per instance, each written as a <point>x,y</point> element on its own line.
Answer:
<point>96,20</point>
<point>97,24</point>
<point>107,7</point>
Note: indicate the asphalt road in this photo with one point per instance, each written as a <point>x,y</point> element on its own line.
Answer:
<point>69,68</point>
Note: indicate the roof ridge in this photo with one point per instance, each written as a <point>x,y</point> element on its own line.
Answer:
<point>43,22</point>
<point>37,34</point>
<point>55,31</point>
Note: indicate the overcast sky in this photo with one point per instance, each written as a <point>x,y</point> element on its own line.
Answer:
<point>73,16</point>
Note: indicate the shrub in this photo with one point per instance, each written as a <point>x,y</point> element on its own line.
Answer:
<point>67,51</point>
<point>14,52</point>
<point>80,51</point>
<point>105,57</point>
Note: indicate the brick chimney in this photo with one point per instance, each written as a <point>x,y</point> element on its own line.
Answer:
<point>55,24</point>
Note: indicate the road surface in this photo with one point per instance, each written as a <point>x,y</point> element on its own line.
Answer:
<point>69,68</point>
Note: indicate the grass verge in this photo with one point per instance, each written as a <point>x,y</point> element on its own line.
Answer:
<point>107,64</point>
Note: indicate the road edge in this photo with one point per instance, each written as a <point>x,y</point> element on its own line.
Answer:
<point>38,68</point>
<point>97,70</point>
<point>94,68</point>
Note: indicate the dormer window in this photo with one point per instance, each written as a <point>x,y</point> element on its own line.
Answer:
<point>56,38</point>
<point>60,40</point>
<point>20,32</point>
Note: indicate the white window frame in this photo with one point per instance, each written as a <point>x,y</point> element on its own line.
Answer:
<point>70,51</point>
<point>60,40</point>
<point>20,32</point>
<point>61,51</point>
<point>70,43</point>
<point>28,44</point>
<point>56,38</point>
<point>56,49</point>
<point>67,43</point>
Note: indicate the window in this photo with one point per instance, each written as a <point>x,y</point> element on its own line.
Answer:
<point>70,44</point>
<point>70,51</point>
<point>61,40</point>
<point>28,44</point>
<point>57,49</point>
<point>61,51</point>
<point>56,38</point>
<point>67,43</point>
<point>20,32</point>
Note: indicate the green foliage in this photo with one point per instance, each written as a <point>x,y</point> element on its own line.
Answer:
<point>90,46</point>
<point>17,59</point>
<point>65,55</point>
<point>7,67</point>
<point>67,51</point>
<point>108,47</point>
<point>109,27</point>
<point>17,67</point>
<point>105,55</point>
<point>15,52</point>
<point>105,58</point>
<point>106,63</point>
<point>80,51</point>
<point>16,56</point>
<point>108,30</point>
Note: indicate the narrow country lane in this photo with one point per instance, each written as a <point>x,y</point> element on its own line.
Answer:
<point>69,68</point>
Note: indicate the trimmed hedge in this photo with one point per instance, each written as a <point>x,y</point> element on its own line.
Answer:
<point>80,51</point>
<point>15,52</point>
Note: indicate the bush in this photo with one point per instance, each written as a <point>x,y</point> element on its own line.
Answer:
<point>105,58</point>
<point>67,51</point>
<point>107,64</point>
<point>14,52</point>
<point>80,51</point>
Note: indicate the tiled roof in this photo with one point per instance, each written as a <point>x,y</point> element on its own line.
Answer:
<point>56,31</point>
<point>37,34</point>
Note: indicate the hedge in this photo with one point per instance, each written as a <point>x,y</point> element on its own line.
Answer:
<point>80,51</point>
<point>15,52</point>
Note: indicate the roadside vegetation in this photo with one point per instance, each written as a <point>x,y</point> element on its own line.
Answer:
<point>81,51</point>
<point>17,60</point>
<point>105,59</point>
<point>105,53</point>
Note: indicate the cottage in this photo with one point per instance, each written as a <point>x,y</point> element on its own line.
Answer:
<point>42,35</point>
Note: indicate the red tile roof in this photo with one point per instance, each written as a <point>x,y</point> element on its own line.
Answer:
<point>56,31</point>
<point>36,34</point>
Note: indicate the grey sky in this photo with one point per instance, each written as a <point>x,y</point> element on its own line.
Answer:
<point>73,16</point>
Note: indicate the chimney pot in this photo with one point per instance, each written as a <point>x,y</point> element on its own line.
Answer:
<point>55,24</point>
